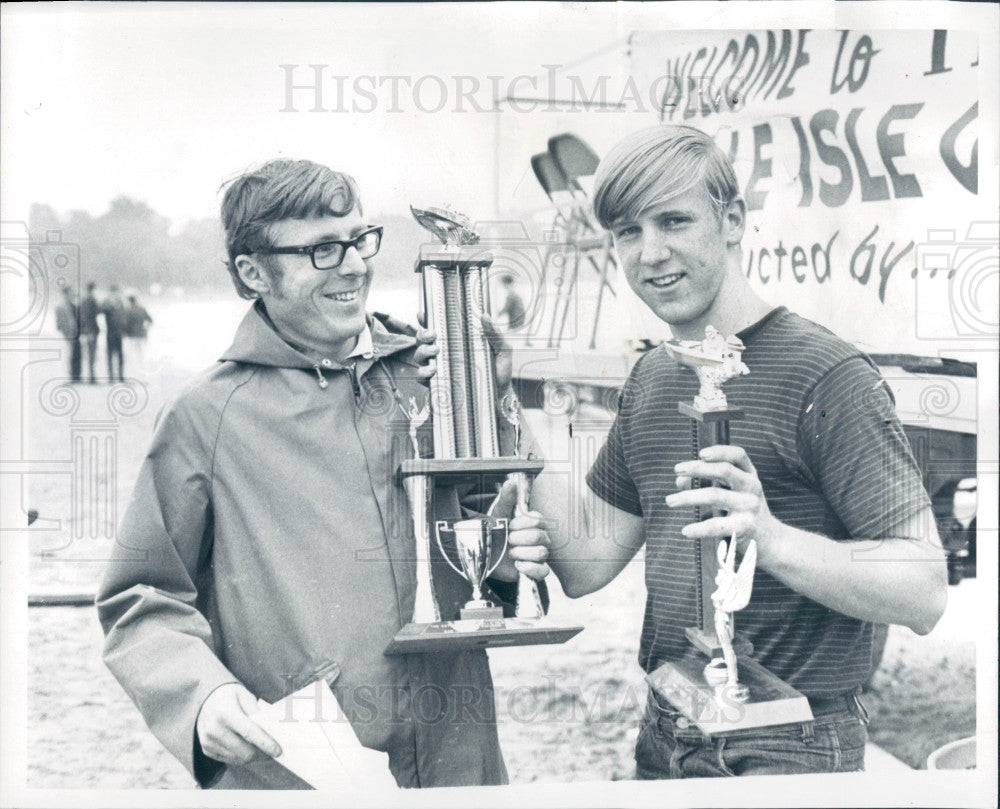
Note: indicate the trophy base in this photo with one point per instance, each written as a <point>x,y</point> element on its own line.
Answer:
<point>760,699</point>
<point>708,643</point>
<point>481,613</point>
<point>454,636</point>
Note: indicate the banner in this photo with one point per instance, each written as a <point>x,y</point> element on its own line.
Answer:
<point>858,155</point>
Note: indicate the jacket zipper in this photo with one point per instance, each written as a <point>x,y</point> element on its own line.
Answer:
<point>354,381</point>
<point>352,370</point>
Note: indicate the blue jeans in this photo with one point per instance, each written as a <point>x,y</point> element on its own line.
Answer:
<point>670,746</point>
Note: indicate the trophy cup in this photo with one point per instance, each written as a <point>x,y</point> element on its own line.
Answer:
<point>731,691</point>
<point>463,400</point>
<point>474,546</point>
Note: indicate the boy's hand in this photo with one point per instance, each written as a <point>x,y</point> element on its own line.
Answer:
<point>527,540</point>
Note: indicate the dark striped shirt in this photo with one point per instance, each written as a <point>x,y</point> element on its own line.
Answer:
<point>821,429</point>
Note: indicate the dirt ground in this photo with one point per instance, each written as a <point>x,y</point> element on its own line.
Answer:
<point>567,713</point>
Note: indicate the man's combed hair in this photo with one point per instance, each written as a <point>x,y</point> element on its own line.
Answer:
<point>655,164</point>
<point>279,190</point>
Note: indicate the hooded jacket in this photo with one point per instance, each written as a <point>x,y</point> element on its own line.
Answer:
<point>268,543</point>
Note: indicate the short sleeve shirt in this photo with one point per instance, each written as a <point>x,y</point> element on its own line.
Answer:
<point>820,427</point>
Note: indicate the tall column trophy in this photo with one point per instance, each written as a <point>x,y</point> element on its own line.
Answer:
<point>718,686</point>
<point>465,409</point>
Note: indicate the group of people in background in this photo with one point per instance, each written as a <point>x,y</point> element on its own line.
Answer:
<point>78,323</point>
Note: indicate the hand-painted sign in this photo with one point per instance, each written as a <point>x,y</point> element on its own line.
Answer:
<point>858,156</point>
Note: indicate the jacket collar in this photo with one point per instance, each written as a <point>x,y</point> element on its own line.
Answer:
<point>258,342</point>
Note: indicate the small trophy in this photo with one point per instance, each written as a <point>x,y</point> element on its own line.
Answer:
<point>463,401</point>
<point>731,691</point>
<point>474,547</point>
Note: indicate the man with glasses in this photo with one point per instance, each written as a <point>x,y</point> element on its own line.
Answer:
<point>268,544</point>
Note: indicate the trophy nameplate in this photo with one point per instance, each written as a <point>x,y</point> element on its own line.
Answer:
<point>463,398</point>
<point>718,685</point>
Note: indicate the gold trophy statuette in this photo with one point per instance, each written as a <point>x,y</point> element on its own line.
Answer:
<point>719,686</point>
<point>464,406</point>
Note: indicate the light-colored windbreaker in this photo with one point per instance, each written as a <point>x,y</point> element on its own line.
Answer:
<point>268,542</point>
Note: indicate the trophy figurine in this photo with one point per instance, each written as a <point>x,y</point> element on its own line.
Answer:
<point>732,593</point>
<point>425,608</point>
<point>467,450</point>
<point>712,694</point>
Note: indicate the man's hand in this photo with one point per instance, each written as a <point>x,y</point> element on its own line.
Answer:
<point>226,731</point>
<point>748,516</point>
<point>527,540</point>
<point>427,350</point>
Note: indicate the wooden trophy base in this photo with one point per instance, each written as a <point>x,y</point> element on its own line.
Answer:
<point>480,633</point>
<point>464,469</point>
<point>708,643</point>
<point>480,613</point>
<point>771,700</point>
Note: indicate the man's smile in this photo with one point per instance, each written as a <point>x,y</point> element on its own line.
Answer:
<point>344,297</point>
<point>665,281</point>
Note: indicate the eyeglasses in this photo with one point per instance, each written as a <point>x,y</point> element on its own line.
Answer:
<point>330,255</point>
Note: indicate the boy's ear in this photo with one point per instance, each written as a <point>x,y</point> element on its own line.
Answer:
<point>252,274</point>
<point>734,220</point>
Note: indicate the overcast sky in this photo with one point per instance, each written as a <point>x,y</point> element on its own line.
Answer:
<point>164,102</point>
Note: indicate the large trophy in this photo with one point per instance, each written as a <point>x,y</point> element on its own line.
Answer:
<point>717,685</point>
<point>466,412</point>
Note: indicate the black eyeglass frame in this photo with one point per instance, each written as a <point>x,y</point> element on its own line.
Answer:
<point>310,250</point>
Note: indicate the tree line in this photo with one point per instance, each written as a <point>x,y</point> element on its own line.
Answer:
<point>134,247</point>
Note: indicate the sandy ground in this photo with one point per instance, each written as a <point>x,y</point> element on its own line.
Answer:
<point>567,713</point>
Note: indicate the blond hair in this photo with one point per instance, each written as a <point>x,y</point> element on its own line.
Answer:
<point>655,164</point>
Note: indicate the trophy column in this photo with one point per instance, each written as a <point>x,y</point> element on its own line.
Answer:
<point>718,686</point>
<point>708,427</point>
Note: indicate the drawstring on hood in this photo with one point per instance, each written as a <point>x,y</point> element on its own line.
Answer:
<point>322,379</point>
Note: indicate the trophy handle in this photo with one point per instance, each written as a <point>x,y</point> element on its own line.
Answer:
<point>439,527</point>
<point>501,525</point>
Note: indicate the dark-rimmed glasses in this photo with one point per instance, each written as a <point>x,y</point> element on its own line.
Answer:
<point>329,255</point>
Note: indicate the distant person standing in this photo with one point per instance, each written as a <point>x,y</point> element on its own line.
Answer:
<point>137,321</point>
<point>89,329</point>
<point>513,305</point>
<point>114,324</point>
<point>68,324</point>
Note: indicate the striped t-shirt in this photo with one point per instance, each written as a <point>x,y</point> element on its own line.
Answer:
<point>820,428</point>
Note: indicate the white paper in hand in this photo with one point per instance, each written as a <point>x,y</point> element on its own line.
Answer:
<point>318,743</point>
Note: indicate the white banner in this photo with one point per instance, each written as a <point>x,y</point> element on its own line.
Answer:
<point>858,155</point>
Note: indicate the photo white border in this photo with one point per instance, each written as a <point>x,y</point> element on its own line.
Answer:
<point>922,788</point>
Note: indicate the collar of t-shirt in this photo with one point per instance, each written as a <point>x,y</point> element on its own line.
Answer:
<point>754,329</point>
